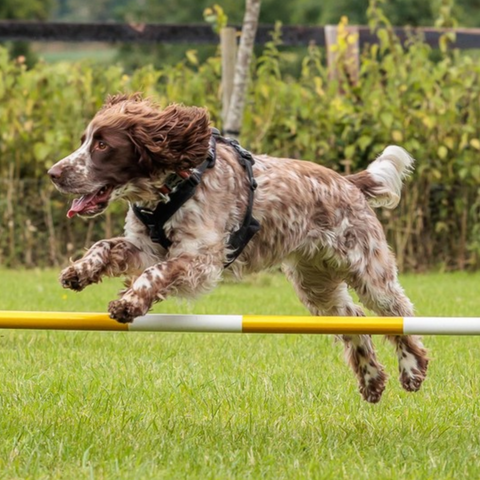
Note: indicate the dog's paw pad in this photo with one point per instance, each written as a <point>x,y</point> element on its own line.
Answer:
<point>69,278</point>
<point>412,378</point>
<point>125,311</point>
<point>373,390</point>
<point>411,382</point>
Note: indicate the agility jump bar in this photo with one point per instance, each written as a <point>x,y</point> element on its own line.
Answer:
<point>243,323</point>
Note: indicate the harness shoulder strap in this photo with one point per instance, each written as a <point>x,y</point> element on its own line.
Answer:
<point>239,238</point>
<point>155,220</point>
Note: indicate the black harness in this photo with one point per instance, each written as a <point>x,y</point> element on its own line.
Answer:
<point>182,189</point>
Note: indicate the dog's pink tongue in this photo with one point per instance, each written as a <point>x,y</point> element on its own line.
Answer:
<point>79,204</point>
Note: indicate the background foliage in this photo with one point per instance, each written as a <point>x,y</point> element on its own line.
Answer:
<point>400,12</point>
<point>303,12</point>
<point>431,107</point>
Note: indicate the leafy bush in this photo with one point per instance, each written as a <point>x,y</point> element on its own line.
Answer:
<point>403,96</point>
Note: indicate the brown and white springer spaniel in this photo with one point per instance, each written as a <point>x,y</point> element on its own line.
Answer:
<point>318,225</point>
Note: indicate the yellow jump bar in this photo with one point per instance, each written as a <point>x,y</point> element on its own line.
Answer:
<point>243,323</point>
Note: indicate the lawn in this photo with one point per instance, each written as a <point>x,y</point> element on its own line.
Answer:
<point>140,406</point>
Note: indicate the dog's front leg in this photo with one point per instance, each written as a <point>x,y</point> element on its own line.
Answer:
<point>185,276</point>
<point>112,258</point>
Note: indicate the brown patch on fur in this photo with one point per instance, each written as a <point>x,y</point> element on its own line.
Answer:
<point>365,183</point>
<point>175,138</point>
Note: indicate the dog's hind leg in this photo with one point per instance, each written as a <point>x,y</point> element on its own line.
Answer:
<point>323,293</point>
<point>379,290</point>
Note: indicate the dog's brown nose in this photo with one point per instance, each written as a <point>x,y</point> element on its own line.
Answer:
<point>55,172</point>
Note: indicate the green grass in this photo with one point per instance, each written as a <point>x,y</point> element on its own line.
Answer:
<point>141,406</point>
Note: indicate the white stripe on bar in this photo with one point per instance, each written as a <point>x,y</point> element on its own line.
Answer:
<point>441,325</point>
<point>187,323</point>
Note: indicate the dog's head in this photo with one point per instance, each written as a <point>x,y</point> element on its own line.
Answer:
<point>130,146</point>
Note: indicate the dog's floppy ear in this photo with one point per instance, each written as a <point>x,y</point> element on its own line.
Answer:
<point>176,138</point>
<point>145,159</point>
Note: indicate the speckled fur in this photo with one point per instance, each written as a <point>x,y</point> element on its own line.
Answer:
<point>315,223</point>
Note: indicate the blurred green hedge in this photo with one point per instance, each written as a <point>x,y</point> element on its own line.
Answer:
<point>427,103</point>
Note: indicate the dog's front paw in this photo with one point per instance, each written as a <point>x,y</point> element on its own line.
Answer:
<point>126,310</point>
<point>74,278</point>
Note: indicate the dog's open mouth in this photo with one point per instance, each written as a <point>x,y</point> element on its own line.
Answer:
<point>92,203</point>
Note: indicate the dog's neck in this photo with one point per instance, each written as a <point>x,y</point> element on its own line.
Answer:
<point>179,188</point>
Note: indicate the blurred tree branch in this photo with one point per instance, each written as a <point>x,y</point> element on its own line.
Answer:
<point>233,121</point>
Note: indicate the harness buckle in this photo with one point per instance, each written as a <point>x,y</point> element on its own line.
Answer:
<point>153,233</point>
<point>171,184</point>
<point>164,197</point>
<point>173,181</point>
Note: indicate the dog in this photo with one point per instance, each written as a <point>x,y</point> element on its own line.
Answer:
<point>243,214</point>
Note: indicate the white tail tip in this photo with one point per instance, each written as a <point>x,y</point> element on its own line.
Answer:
<point>389,170</point>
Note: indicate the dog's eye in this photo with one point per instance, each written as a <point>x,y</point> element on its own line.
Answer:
<point>101,145</point>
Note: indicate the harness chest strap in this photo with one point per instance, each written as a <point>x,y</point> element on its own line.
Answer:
<point>179,188</point>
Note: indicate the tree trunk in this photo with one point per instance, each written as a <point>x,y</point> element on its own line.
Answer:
<point>228,42</point>
<point>234,116</point>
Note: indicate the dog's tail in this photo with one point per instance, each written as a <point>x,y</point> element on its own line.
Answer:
<point>382,181</point>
